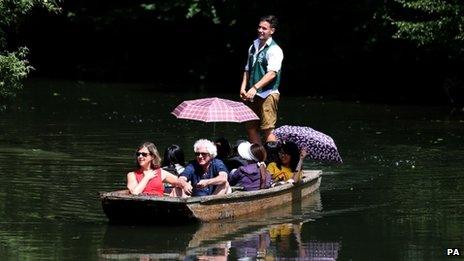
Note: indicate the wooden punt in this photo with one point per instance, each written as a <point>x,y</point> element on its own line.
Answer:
<point>122,207</point>
<point>184,240</point>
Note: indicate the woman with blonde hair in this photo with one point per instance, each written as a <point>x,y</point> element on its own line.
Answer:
<point>149,177</point>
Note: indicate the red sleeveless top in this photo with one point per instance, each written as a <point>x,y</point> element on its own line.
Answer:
<point>154,186</point>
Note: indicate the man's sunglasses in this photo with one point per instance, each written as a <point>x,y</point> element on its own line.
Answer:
<point>203,154</point>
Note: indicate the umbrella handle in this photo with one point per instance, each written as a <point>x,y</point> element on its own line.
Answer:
<point>299,166</point>
<point>299,171</point>
<point>298,176</point>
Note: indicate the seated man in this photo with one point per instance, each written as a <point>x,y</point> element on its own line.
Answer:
<point>207,175</point>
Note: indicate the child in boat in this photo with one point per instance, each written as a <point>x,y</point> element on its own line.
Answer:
<point>174,159</point>
<point>148,178</point>
<point>254,175</point>
<point>286,165</point>
<point>235,160</point>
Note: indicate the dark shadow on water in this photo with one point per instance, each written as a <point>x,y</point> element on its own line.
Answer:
<point>156,241</point>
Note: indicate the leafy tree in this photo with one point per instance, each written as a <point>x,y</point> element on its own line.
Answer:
<point>191,8</point>
<point>436,26</point>
<point>14,66</point>
<point>429,22</point>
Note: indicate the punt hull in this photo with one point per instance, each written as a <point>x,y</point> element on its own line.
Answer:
<point>122,207</point>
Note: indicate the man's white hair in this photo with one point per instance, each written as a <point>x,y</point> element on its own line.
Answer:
<point>209,145</point>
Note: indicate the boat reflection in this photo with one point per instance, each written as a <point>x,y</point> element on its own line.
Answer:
<point>268,235</point>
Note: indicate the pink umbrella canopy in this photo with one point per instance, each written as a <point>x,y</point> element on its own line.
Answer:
<point>214,110</point>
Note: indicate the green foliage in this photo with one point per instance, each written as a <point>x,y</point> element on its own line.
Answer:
<point>13,69</point>
<point>190,8</point>
<point>437,25</point>
<point>12,10</point>
<point>14,66</point>
<point>426,22</point>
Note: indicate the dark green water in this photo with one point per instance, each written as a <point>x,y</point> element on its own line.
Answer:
<point>398,196</point>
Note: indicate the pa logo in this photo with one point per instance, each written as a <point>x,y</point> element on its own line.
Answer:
<point>453,252</point>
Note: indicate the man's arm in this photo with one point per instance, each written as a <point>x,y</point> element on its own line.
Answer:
<point>184,178</point>
<point>246,76</point>
<point>243,92</point>
<point>267,78</point>
<point>186,187</point>
<point>220,179</point>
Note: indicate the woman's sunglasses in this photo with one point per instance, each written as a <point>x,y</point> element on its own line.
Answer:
<point>144,154</point>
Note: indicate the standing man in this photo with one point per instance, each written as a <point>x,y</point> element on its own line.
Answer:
<point>261,80</point>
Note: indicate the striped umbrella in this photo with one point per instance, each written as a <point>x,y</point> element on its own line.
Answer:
<point>214,110</point>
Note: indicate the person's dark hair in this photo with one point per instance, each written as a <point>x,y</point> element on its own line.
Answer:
<point>223,148</point>
<point>259,152</point>
<point>291,149</point>
<point>155,163</point>
<point>272,149</point>
<point>235,147</point>
<point>271,19</point>
<point>172,155</point>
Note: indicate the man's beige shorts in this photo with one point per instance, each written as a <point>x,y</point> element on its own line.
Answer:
<point>266,109</point>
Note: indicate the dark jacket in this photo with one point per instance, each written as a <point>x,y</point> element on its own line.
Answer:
<point>248,177</point>
<point>235,162</point>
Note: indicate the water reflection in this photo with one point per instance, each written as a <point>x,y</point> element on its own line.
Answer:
<point>270,235</point>
<point>398,195</point>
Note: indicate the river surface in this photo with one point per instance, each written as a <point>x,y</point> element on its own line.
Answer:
<point>397,196</point>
